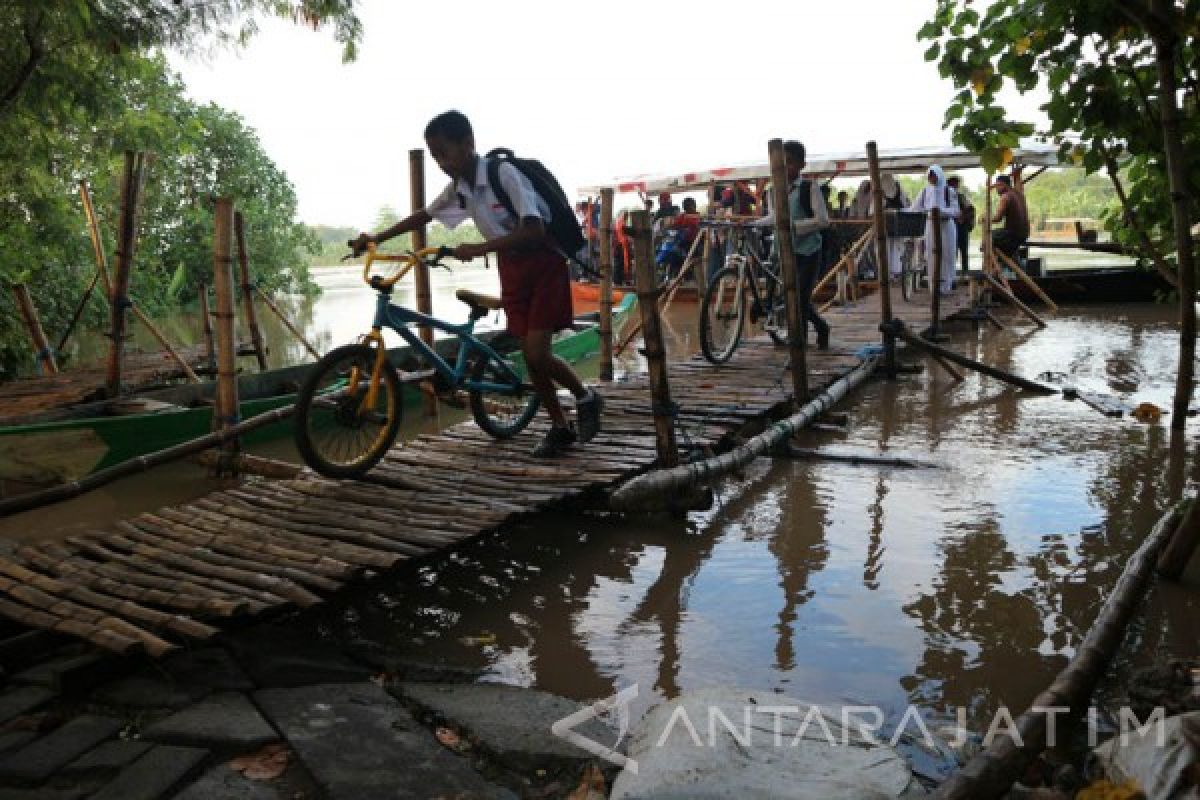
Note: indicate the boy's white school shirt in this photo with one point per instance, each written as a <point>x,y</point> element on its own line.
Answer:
<point>462,200</point>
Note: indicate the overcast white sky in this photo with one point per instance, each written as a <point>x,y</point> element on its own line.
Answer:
<point>595,90</point>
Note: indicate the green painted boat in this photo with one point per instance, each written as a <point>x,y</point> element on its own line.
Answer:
<point>74,443</point>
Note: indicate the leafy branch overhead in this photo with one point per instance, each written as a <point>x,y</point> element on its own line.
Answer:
<point>1096,60</point>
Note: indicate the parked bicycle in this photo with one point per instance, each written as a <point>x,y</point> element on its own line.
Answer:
<point>749,282</point>
<point>348,409</point>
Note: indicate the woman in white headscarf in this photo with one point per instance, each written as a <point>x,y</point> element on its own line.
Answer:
<point>894,199</point>
<point>937,194</point>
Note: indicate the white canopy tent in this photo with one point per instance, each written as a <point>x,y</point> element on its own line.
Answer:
<point>848,165</point>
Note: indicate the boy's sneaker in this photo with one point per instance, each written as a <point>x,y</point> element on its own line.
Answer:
<point>554,443</point>
<point>589,408</point>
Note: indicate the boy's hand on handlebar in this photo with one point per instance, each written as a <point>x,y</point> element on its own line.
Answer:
<point>466,252</point>
<point>359,245</point>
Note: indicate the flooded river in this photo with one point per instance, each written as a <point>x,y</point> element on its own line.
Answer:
<point>965,584</point>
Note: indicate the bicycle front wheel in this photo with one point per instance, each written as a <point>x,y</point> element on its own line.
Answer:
<point>337,433</point>
<point>722,315</point>
<point>501,409</point>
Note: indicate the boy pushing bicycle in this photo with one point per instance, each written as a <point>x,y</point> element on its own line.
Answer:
<point>535,289</point>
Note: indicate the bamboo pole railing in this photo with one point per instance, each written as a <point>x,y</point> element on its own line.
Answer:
<point>227,409</point>
<point>881,257</point>
<point>1028,281</point>
<point>287,323</point>
<point>656,352</point>
<point>667,296</point>
<point>210,342</point>
<point>33,324</point>
<point>243,259</point>
<point>653,488</point>
<point>421,281</point>
<point>900,331</point>
<point>795,305</point>
<point>101,273</point>
<point>606,284</point>
<point>1013,300</point>
<point>127,232</point>
<point>989,774</point>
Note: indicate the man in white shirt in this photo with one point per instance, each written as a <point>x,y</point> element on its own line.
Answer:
<point>535,284</point>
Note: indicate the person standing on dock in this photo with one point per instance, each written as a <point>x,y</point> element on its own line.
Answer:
<point>894,199</point>
<point>810,217</point>
<point>966,222</point>
<point>535,285</point>
<point>1012,211</point>
<point>938,194</point>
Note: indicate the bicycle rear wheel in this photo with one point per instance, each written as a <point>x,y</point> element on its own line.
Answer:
<point>506,410</point>
<point>722,315</point>
<point>336,434</point>
<point>776,323</point>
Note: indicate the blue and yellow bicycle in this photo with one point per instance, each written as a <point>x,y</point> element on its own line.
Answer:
<point>348,410</point>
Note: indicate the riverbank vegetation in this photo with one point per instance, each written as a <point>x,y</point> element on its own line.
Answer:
<point>82,82</point>
<point>332,238</point>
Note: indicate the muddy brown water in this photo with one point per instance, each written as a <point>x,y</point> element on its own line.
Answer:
<point>963,585</point>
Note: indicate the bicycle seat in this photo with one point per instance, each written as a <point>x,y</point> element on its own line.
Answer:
<point>477,300</point>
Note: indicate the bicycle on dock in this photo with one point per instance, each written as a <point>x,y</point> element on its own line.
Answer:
<point>748,283</point>
<point>348,409</point>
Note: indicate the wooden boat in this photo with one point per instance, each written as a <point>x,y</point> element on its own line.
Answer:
<point>1102,285</point>
<point>70,443</point>
<point>587,294</point>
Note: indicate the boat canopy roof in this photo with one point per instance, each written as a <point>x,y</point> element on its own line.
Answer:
<point>847,165</point>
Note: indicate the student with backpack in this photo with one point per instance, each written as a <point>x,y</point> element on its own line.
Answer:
<point>526,220</point>
<point>966,221</point>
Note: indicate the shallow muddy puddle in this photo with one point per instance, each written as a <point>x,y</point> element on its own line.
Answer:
<point>962,585</point>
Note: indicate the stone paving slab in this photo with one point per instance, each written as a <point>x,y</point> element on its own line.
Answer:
<point>222,783</point>
<point>108,757</point>
<point>73,673</point>
<point>22,700</point>
<point>227,721</point>
<point>154,774</point>
<point>43,757</point>
<point>280,658</point>
<point>359,743</point>
<point>511,723</point>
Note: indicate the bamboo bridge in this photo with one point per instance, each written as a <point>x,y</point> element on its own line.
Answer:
<point>183,573</point>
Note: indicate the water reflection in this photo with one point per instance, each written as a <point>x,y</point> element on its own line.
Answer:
<point>966,586</point>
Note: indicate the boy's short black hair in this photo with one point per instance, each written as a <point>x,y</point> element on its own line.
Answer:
<point>1005,179</point>
<point>453,126</point>
<point>689,203</point>
<point>794,150</point>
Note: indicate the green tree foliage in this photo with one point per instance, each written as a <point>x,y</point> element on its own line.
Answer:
<point>1097,59</point>
<point>136,103</point>
<point>333,239</point>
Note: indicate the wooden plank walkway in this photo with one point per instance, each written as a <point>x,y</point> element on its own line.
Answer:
<point>159,578</point>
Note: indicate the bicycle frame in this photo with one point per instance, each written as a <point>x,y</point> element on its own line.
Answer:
<point>401,319</point>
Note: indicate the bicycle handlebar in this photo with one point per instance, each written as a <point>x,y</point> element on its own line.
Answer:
<point>430,256</point>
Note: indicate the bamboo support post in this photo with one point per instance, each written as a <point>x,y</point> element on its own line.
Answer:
<point>1028,281</point>
<point>935,287</point>
<point>606,285</point>
<point>702,274</point>
<point>131,197</point>
<point>287,323</point>
<point>664,299</point>
<point>256,337</point>
<point>651,489</point>
<point>101,273</point>
<point>1182,544</point>
<point>796,313</point>
<point>881,257</point>
<point>988,258</point>
<point>901,331</point>
<point>420,239</point>
<point>656,353</point>
<point>226,411</point>
<point>37,335</point>
<point>210,344</point>
<point>1004,292</point>
<point>989,774</point>
<point>164,344</point>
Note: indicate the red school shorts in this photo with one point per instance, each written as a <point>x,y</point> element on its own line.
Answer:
<point>535,290</point>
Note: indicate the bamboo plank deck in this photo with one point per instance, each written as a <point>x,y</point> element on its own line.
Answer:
<point>153,581</point>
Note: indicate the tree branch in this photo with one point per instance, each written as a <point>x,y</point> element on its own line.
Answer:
<point>1156,256</point>
<point>1160,26</point>
<point>27,69</point>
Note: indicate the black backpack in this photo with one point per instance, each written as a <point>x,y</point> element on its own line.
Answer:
<point>563,226</point>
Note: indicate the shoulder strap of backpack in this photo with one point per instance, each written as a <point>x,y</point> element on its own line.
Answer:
<point>494,158</point>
